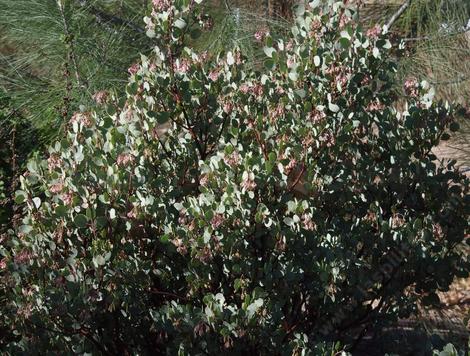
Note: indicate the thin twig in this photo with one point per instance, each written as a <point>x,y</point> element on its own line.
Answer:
<point>69,41</point>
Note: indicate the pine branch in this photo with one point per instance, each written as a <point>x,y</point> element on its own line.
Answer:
<point>397,14</point>
<point>104,17</point>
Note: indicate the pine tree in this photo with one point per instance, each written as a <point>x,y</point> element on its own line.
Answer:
<point>56,54</point>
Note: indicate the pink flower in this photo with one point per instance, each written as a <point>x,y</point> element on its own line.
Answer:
<point>374,32</point>
<point>56,188</point>
<point>161,5</point>
<point>23,257</point>
<point>132,214</point>
<point>411,87</point>
<point>180,246</point>
<point>277,113</point>
<point>67,198</point>
<point>3,264</point>
<point>207,23</point>
<point>232,159</point>
<point>245,88</point>
<point>290,45</point>
<point>258,90</point>
<point>328,139</point>
<point>228,107</point>
<point>261,34</point>
<point>365,80</point>
<point>307,222</point>
<point>316,29</point>
<point>343,21</point>
<point>124,159</point>
<point>83,118</point>
<point>217,220</point>
<point>54,161</point>
<point>375,106</point>
<point>182,66</point>
<point>133,69</point>
<point>397,221</point>
<point>437,231</point>
<point>204,180</point>
<point>101,97</point>
<point>214,75</point>
<point>316,116</point>
<point>248,184</point>
<point>290,62</point>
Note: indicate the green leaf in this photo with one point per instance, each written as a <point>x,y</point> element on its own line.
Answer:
<point>316,61</point>
<point>25,229</point>
<point>80,221</point>
<point>163,117</point>
<point>180,23</point>
<point>20,197</point>
<point>269,51</point>
<point>61,210</point>
<point>269,64</point>
<point>37,202</point>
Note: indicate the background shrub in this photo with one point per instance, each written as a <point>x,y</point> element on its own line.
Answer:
<point>223,209</point>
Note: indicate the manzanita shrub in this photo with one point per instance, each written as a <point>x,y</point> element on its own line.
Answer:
<point>219,209</point>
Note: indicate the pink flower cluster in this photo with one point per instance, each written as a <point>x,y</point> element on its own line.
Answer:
<point>161,5</point>
<point>56,188</point>
<point>180,246</point>
<point>290,166</point>
<point>124,159</point>
<point>308,223</point>
<point>232,159</point>
<point>23,257</point>
<point>54,161</point>
<point>328,139</point>
<point>397,221</point>
<point>83,118</point>
<point>276,113</point>
<point>374,32</point>
<point>101,97</point>
<point>214,75</point>
<point>343,21</point>
<point>316,116</point>
<point>133,69</point>
<point>375,106</point>
<point>182,65</point>
<point>248,183</point>
<point>67,198</point>
<point>261,34</point>
<point>228,107</point>
<point>411,87</point>
<point>339,73</point>
<point>204,180</point>
<point>316,29</point>
<point>255,89</point>
<point>217,220</point>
